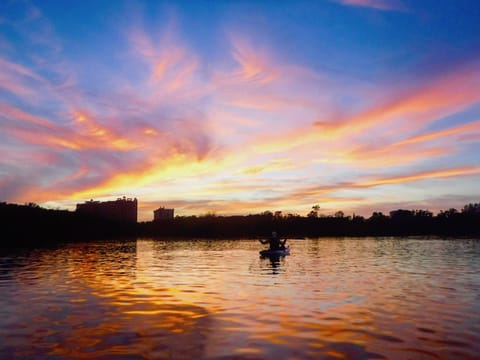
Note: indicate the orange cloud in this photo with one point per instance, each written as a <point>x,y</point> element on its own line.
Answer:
<point>273,165</point>
<point>378,128</point>
<point>93,134</point>
<point>172,68</point>
<point>262,83</point>
<point>252,134</point>
<point>412,149</point>
<point>37,130</point>
<point>468,128</point>
<point>433,174</point>
<point>446,95</point>
<point>407,178</point>
<point>78,174</point>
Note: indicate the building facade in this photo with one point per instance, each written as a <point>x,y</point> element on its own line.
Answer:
<point>123,209</point>
<point>163,214</point>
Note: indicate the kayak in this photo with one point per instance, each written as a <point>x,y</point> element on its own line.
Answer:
<point>279,252</point>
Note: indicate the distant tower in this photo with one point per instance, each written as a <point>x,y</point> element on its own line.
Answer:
<point>163,214</point>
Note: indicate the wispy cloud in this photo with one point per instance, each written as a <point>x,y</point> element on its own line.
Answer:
<point>318,192</point>
<point>416,148</point>
<point>384,5</point>
<point>383,132</point>
<point>415,106</point>
<point>246,131</point>
<point>172,69</point>
<point>328,195</point>
<point>255,67</point>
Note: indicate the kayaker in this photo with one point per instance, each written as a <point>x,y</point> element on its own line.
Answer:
<point>275,242</point>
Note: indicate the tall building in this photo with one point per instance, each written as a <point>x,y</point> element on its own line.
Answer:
<point>123,209</point>
<point>162,214</point>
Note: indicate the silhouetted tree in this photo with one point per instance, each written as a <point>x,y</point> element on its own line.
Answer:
<point>471,209</point>
<point>34,225</point>
<point>423,213</point>
<point>450,213</point>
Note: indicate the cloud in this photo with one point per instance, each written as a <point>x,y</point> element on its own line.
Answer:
<point>275,165</point>
<point>111,138</point>
<point>383,132</point>
<point>463,131</point>
<point>383,5</point>
<point>415,106</point>
<point>99,145</point>
<point>346,140</point>
<point>327,193</point>
<point>244,133</point>
<point>172,73</point>
<point>416,148</point>
<point>12,188</point>
<point>436,174</point>
<point>255,67</point>
<point>17,79</point>
<point>84,134</point>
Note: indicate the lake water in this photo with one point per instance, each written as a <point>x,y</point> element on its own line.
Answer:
<point>330,299</point>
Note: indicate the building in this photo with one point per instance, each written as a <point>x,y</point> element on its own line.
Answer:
<point>123,209</point>
<point>163,214</point>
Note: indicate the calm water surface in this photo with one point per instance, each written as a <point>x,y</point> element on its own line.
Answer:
<point>330,299</point>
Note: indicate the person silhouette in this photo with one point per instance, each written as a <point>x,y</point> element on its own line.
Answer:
<point>275,243</point>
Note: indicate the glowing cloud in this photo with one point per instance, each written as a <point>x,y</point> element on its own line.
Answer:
<point>209,119</point>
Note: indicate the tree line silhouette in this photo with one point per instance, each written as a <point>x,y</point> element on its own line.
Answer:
<point>35,225</point>
<point>451,222</point>
<point>32,224</point>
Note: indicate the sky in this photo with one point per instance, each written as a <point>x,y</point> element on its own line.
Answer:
<point>241,107</point>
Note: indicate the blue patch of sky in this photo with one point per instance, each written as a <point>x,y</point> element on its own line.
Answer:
<point>323,35</point>
<point>462,117</point>
<point>319,35</point>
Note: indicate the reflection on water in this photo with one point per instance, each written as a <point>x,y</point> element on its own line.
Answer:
<point>330,299</point>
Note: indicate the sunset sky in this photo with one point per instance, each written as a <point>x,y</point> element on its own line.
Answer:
<point>238,107</point>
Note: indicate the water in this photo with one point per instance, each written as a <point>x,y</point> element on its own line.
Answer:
<point>330,299</point>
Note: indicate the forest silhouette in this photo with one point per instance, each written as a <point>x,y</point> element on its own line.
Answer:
<point>32,224</point>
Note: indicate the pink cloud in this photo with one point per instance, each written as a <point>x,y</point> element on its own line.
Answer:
<point>40,131</point>
<point>8,66</point>
<point>14,113</point>
<point>251,118</point>
<point>390,132</point>
<point>314,192</point>
<point>255,66</point>
<point>9,83</point>
<point>17,79</point>
<point>172,69</point>
<point>415,107</point>
<point>417,148</point>
<point>464,131</point>
<point>384,5</point>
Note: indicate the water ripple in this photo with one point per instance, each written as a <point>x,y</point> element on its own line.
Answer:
<point>330,299</point>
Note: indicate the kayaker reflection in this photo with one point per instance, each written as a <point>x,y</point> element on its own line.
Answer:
<point>275,242</point>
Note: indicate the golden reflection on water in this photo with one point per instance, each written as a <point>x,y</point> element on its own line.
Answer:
<point>330,299</point>
<point>144,317</point>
